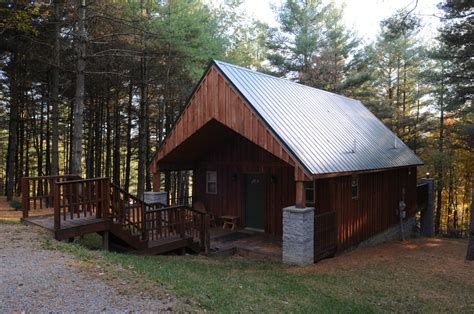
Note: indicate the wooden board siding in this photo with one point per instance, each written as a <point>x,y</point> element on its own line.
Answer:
<point>232,161</point>
<point>375,208</point>
<point>215,99</point>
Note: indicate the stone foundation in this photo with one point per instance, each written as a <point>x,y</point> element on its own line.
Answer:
<point>392,233</point>
<point>298,235</point>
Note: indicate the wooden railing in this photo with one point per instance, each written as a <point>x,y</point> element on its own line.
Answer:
<point>74,198</point>
<point>325,235</point>
<point>38,192</point>
<point>80,198</point>
<point>187,201</point>
<point>178,221</point>
<point>127,210</point>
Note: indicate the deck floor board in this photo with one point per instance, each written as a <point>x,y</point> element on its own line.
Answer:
<point>70,227</point>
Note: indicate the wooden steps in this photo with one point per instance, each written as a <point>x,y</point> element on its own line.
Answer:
<point>96,205</point>
<point>165,245</point>
<point>124,235</point>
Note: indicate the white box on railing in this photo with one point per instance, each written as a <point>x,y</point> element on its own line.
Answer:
<point>155,197</point>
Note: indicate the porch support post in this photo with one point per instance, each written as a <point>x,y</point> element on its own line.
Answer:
<point>156,181</point>
<point>300,195</point>
<point>298,235</point>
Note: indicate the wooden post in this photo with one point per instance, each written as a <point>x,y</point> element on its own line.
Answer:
<point>300,195</point>
<point>56,205</point>
<point>156,181</point>
<point>143,223</point>
<point>105,240</point>
<point>25,193</point>
<point>181,221</point>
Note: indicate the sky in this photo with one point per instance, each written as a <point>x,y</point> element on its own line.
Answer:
<point>362,16</point>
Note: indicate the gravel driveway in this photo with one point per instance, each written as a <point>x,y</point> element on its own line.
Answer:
<point>33,279</point>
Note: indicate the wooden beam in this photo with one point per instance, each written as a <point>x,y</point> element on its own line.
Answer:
<point>156,181</point>
<point>300,195</point>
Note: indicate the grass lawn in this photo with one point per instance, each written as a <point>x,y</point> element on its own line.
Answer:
<point>393,277</point>
<point>9,222</point>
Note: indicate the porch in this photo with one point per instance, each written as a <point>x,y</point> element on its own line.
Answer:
<point>244,242</point>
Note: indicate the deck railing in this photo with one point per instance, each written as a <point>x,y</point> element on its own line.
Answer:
<point>185,200</point>
<point>154,222</point>
<point>74,198</point>
<point>38,192</point>
<point>80,198</point>
<point>178,221</point>
<point>127,210</point>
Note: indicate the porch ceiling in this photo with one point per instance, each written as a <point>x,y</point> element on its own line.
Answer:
<point>206,139</point>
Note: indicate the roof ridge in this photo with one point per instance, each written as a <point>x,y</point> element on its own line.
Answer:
<point>217,62</point>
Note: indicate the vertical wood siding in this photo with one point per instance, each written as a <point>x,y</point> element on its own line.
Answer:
<point>215,99</point>
<point>237,158</point>
<point>375,208</point>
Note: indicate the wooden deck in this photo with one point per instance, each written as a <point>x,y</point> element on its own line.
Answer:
<point>70,227</point>
<point>246,243</point>
<point>95,205</point>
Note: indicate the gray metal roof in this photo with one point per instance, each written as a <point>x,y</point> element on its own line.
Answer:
<point>327,133</point>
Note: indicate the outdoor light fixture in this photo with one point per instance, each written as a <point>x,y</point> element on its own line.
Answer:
<point>427,174</point>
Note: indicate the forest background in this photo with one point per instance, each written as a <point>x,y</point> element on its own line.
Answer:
<point>92,87</point>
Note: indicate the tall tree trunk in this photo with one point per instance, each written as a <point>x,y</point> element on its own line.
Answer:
<point>108,140</point>
<point>90,144</point>
<point>76,161</point>
<point>12,131</point>
<point>439,167</point>
<point>48,143</point>
<point>116,150</point>
<point>98,138</point>
<point>54,93</point>
<point>20,162</point>
<point>142,128</point>
<point>129,138</point>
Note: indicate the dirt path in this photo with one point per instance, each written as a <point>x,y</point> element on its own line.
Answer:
<point>33,279</point>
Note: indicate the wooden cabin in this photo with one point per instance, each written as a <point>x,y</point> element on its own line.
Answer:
<point>256,144</point>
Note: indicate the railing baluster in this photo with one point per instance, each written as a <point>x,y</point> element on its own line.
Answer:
<point>56,206</point>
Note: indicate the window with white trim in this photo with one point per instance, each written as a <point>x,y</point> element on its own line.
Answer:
<point>211,182</point>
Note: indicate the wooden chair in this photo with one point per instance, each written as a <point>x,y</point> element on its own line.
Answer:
<point>199,206</point>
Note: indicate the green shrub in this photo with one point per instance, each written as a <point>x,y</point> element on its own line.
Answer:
<point>15,204</point>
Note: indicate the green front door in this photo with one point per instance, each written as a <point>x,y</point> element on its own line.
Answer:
<point>254,201</point>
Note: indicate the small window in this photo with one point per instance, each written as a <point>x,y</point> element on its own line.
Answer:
<point>355,187</point>
<point>309,192</point>
<point>211,182</point>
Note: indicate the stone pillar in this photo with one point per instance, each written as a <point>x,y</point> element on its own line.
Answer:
<point>427,215</point>
<point>155,197</point>
<point>298,235</point>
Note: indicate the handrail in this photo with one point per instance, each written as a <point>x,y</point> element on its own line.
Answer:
<point>82,180</point>
<point>80,198</point>
<point>125,192</point>
<point>54,176</point>
<point>39,190</point>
